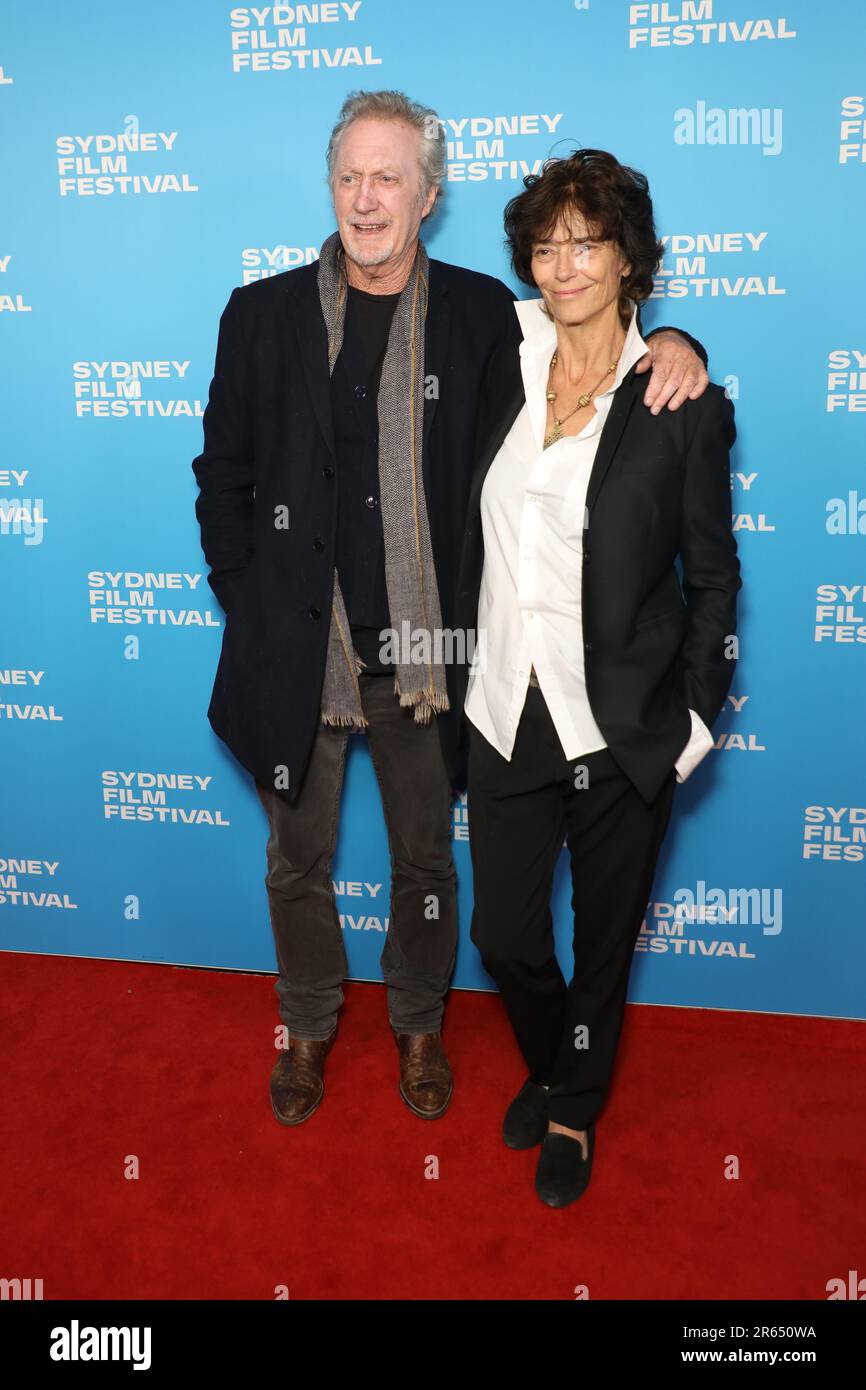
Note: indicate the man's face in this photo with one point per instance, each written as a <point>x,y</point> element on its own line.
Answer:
<point>578,275</point>
<point>377,191</point>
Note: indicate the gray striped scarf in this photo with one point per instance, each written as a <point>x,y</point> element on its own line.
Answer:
<point>410,575</point>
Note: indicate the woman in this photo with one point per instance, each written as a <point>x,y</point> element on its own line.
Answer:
<point>598,672</point>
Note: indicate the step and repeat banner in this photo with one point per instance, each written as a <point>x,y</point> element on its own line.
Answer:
<point>153,158</point>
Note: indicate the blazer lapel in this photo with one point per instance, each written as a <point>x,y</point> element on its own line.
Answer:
<point>623,401</point>
<point>436,334</point>
<point>305,313</point>
<point>508,405</point>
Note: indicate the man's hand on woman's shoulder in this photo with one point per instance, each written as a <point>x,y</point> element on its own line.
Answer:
<point>678,374</point>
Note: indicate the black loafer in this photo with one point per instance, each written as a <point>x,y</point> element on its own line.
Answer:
<point>563,1173</point>
<point>525,1123</point>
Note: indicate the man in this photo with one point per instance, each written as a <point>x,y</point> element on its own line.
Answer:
<point>339,444</point>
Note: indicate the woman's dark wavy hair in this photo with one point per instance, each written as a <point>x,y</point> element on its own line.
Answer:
<point>615,204</point>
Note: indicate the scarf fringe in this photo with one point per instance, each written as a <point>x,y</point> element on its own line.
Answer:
<point>345,720</point>
<point>426,702</point>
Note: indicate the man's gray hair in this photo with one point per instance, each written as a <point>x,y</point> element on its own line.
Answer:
<point>396,106</point>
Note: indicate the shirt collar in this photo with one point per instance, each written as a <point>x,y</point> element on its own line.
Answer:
<point>539,341</point>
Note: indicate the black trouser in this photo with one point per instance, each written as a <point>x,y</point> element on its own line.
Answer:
<point>519,814</point>
<point>418,955</point>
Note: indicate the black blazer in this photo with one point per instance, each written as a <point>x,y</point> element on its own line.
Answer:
<point>269,444</point>
<point>660,568</point>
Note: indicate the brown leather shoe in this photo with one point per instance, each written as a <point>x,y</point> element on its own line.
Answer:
<point>425,1076</point>
<point>297,1080</point>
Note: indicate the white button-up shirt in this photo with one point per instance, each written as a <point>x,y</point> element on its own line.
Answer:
<point>533,505</point>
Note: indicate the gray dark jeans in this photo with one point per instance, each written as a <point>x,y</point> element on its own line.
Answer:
<point>418,956</point>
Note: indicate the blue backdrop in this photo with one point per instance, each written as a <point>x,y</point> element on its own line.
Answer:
<point>153,158</point>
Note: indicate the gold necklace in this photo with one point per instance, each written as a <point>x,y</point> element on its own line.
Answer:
<point>582,401</point>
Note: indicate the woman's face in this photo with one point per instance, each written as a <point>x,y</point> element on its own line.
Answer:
<point>578,276</point>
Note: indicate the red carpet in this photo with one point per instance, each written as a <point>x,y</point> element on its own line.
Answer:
<point>104,1059</point>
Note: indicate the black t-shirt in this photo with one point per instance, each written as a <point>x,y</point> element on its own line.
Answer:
<point>372,315</point>
<point>368,317</point>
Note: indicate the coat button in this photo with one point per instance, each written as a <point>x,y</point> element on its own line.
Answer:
<point>371,501</point>
<point>586,557</point>
<point>318,543</point>
<point>588,646</point>
<point>360,392</point>
<point>314,611</point>
<point>327,471</point>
